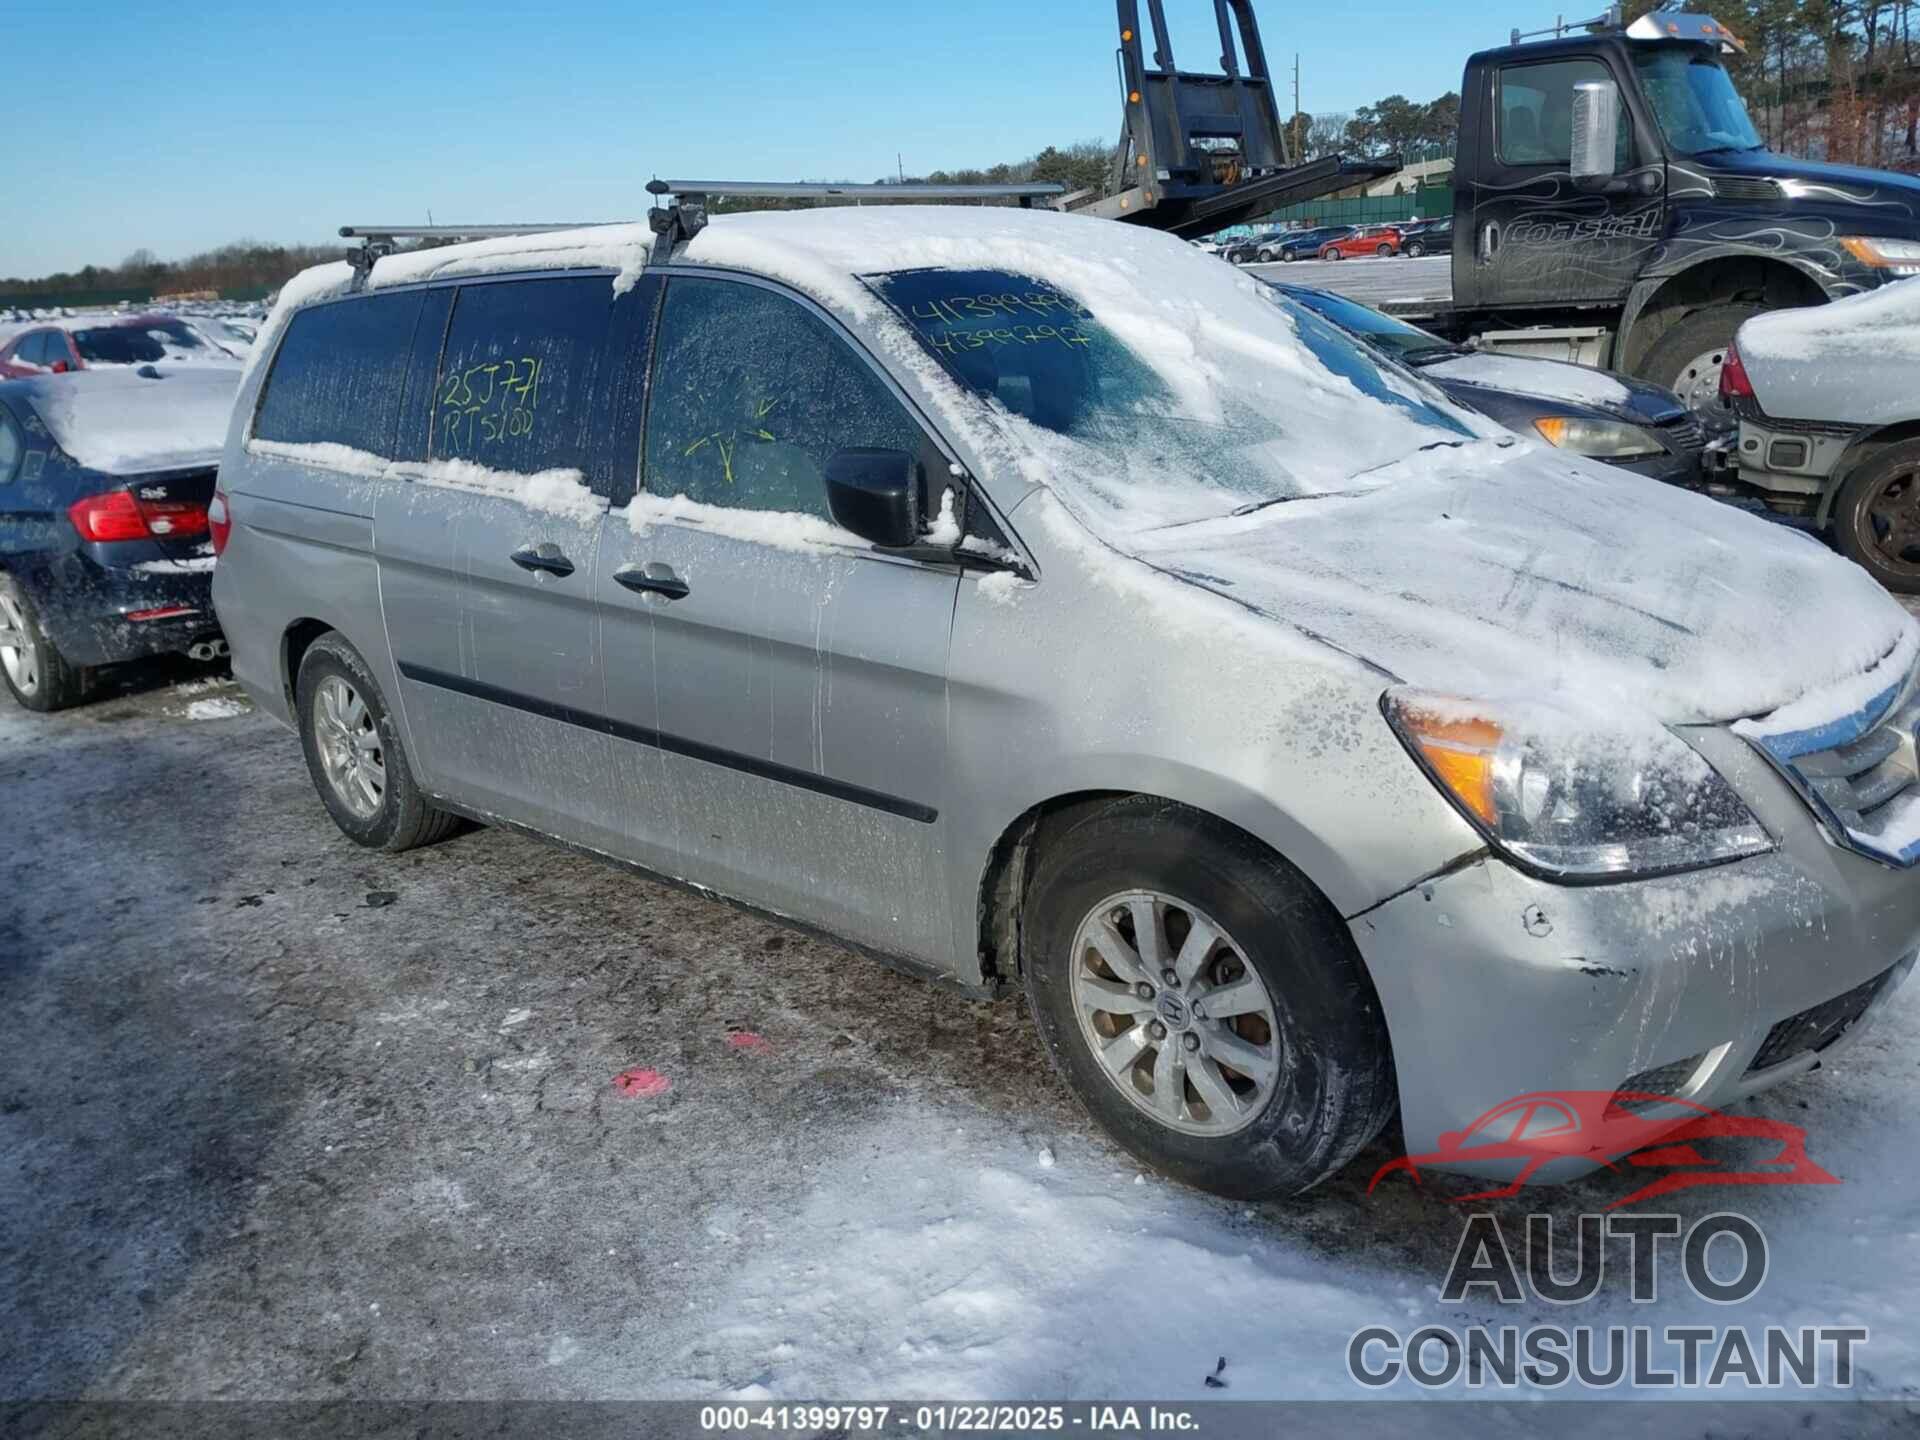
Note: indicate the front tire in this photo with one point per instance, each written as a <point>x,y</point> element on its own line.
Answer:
<point>354,753</point>
<point>1203,1001</point>
<point>1330,255</point>
<point>1876,517</point>
<point>1415,250</point>
<point>35,672</point>
<point>1689,357</point>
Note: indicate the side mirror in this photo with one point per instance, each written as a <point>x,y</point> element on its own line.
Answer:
<point>1596,123</point>
<point>59,367</point>
<point>876,495</point>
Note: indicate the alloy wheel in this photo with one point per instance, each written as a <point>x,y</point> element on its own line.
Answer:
<point>17,654</point>
<point>351,754</point>
<point>1176,1018</point>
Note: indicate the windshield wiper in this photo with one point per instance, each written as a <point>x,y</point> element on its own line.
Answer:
<point>1431,354</point>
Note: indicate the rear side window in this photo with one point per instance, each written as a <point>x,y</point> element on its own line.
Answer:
<point>339,374</point>
<point>12,446</point>
<point>118,345</point>
<point>524,375</point>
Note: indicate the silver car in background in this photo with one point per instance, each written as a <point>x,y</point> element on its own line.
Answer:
<point>1829,411</point>
<point>1036,603</point>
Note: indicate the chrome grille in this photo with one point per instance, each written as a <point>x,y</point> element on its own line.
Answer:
<point>1861,774</point>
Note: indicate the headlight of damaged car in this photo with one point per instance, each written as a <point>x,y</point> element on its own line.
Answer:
<point>1600,439</point>
<point>1570,801</point>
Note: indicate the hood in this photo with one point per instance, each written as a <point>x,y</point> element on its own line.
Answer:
<point>1884,194</point>
<point>1615,395</point>
<point>1552,580</point>
<point>135,421</point>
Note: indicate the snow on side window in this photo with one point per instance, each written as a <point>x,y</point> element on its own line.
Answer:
<point>752,394</point>
<point>338,376</point>
<point>12,446</point>
<point>523,374</point>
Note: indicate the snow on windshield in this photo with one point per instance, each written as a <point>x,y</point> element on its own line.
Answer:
<point>1185,392</point>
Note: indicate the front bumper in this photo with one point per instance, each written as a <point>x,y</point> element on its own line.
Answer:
<point>1497,985</point>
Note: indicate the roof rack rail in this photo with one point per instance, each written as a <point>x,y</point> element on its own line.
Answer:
<point>686,216</point>
<point>378,240</point>
<point>1611,20</point>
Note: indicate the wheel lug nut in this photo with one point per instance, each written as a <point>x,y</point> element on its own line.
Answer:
<point>1170,977</point>
<point>1157,1030</point>
<point>1190,1041</point>
<point>1199,1012</point>
<point>1143,990</point>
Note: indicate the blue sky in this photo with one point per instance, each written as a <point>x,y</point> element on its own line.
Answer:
<point>178,127</point>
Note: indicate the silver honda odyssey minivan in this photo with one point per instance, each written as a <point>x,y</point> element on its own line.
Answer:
<point>1036,602</point>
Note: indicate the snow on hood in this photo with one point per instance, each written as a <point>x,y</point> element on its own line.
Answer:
<point>1554,580</point>
<point>1555,380</point>
<point>123,421</point>
<point>1883,322</point>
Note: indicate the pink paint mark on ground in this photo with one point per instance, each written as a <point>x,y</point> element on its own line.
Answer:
<point>641,1082</point>
<point>749,1041</point>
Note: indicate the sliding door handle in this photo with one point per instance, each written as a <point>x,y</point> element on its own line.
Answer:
<point>545,558</point>
<point>653,578</point>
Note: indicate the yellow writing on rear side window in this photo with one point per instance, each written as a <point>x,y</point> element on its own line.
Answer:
<point>488,402</point>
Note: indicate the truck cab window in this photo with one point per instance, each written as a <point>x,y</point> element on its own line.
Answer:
<point>1536,113</point>
<point>1694,101</point>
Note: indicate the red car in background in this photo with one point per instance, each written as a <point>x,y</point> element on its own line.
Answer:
<point>1367,240</point>
<point>79,342</point>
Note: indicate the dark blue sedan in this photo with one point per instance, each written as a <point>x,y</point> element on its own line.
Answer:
<point>106,550</point>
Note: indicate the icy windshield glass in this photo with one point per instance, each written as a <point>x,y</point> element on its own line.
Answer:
<point>1396,337</point>
<point>118,345</point>
<point>1269,417</point>
<point>1694,100</point>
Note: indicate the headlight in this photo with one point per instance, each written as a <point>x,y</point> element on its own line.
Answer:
<point>1572,802</point>
<point>1882,254</point>
<point>1601,439</point>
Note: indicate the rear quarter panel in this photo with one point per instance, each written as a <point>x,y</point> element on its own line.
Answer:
<point>301,550</point>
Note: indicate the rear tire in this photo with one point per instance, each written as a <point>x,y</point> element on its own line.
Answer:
<point>354,753</point>
<point>1383,251</point>
<point>1687,359</point>
<point>1305,1021</point>
<point>36,674</point>
<point>1876,517</point>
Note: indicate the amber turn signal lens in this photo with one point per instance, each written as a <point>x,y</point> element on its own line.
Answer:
<point>1460,754</point>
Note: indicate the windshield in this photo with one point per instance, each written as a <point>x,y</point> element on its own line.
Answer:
<point>118,345</point>
<point>1694,100</point>
<point>1396,337</point>
<point>1236,411</point>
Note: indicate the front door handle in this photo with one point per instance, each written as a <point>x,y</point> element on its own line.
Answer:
<point>1489,241</point>
<point>653,578</point>
<point>544,557</point>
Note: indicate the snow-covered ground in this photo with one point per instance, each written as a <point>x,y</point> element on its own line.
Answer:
<point>283,1118</point>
